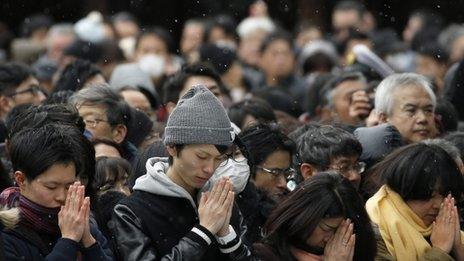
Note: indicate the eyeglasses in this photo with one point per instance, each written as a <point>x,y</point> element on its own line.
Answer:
<point>92,123</point>
<point>34,89</point>
<point>277,172</point>
<point>359,167</point>
<point>234,154</point>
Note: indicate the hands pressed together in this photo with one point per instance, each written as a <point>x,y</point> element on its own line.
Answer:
<point>341,245</point>
<point>446,232</point>
<point>73,218</point>
<point>215,208</point>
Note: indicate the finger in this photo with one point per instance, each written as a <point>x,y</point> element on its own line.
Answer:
<point>87,208</point>
<point>360,98</point>
<point>351,245</point>
<point>203,199</point>
<point>217,189</point>
<point>72,203</point>
<point>224,193</point>
<point>68,198</point>
<point>348,234</point>
<point>341,230</point>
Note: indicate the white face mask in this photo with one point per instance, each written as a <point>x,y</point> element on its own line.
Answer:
<point>152,64</point>
<point>238,172</point>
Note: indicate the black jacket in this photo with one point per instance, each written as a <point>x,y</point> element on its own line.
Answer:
<point>163,224</point>
<point>22,243</point>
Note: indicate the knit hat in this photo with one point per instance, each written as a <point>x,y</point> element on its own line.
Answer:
<point>130,74</point>
<point>199,118</point>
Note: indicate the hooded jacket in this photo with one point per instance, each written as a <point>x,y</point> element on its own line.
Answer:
<point>159,221</point>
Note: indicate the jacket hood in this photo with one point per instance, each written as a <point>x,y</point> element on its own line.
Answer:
<point>157,182</point>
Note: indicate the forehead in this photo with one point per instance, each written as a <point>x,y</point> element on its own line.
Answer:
<point>344,159</point>
<point>278,44</point>
<point>349,86</point>
<point>91,109</point>
<point>411,94</point>
<point>278,159</point>
<point>31,80</point>
<point>345,18</point>
<point>58,173</point>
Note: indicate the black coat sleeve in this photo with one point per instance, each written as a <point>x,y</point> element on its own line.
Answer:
<point>133,244</point>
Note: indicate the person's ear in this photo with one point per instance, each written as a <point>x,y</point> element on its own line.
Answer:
<point>170,107</point>
<point>20,179</point>
<point>383,118</point>
<point>307,170</point>
<point>5,105</point>
<point>119,133</point>
<point>171,150</point>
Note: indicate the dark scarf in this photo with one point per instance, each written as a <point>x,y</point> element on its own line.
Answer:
<point>33,216</point>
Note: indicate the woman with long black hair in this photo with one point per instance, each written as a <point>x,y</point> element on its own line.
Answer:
<point>323,219</point>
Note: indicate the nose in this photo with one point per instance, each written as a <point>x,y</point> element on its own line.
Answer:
<point>40,97</point>
<point>60,196</point>
<point>354,176</point>
<point>421,116</point>
<point>209,167</point>
<point>281,182</point>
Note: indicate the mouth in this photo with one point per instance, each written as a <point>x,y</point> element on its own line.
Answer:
<point>200,179</point>
<point>424,133</point>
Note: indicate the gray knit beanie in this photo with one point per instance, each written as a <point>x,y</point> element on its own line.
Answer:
<point>199,118</point>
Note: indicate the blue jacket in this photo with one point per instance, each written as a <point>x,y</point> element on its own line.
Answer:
<point>24,244</point>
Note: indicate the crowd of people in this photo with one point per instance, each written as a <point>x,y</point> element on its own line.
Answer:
<point>248,142</point>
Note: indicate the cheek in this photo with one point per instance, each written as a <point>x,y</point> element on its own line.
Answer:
<point>264,181</point>
<point>316,238</point>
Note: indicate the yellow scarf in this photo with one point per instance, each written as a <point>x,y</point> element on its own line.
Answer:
<point>401,229</point>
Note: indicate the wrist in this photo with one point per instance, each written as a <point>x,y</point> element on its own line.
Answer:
<point>223,231</point>
<point>71,237</point>
<point>88,241</point>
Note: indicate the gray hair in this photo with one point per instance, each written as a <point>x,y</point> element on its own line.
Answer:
<point>449,35</point>
<point>329,89</point>
<point>447,146</point>
<point>117,110</point>
<point>59,29</point>
<point>384,95</point>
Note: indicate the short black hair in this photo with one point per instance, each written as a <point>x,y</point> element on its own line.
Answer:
<point>446,116</point>
<point>327,91</point>
<point>34,150</point>
<point>38,116</point>
<point>223,21</point>
<point>296,134</point>
<point>175,84</point>
<point>318,146</point>
<point>108,142</point>
<point>260,109</point>
<point>75,75</point>
<point>272,37</point>
<point>350,5</point>
<point>12,75</point>
<point>417,170</point>
<point>260,140</point>
<point>434,51</point>
<point>159,32</point>
<point>108,170</point>
<point>457,139</point>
